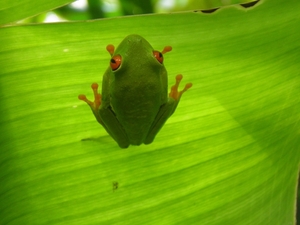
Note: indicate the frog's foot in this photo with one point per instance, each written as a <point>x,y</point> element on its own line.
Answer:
<point>110,49</point>
<point>174,93</point>
<point>97,98</point>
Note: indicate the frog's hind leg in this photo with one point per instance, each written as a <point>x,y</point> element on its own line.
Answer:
<point>117,132</point>
<point>164,113</point>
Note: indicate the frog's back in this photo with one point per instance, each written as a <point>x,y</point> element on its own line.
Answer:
<point>136,107</point>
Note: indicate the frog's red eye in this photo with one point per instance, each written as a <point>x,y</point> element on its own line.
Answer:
<point>115,62</point>
<point>158,56</point>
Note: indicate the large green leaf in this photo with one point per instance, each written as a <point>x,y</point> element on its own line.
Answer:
<point>229,154</point>
<point>11,11</point>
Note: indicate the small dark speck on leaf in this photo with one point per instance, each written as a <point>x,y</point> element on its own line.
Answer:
<point>115,185</point>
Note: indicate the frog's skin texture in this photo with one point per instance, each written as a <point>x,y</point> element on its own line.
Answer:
<point>134,104</point>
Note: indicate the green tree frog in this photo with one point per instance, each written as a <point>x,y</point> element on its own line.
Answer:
<point>134,104</point>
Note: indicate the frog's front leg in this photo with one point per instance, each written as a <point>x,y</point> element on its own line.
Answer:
<point>167,109</point>
<point>106,117</point>
<point>95,105</point>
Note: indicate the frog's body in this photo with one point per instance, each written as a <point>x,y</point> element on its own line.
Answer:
<point>134,104</point>
<point>137,97</point>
